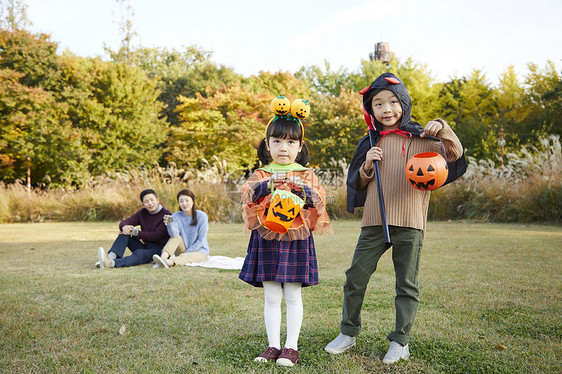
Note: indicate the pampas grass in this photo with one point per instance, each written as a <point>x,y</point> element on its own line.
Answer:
<point>528,188</point>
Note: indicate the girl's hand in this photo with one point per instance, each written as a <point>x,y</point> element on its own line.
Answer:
<point>374,154</point>
<point>277,179</point>
<point>432,128</point>
<point>295,181</point>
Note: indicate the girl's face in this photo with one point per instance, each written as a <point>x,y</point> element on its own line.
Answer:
<point>186,203</point>
<point>283,151</point>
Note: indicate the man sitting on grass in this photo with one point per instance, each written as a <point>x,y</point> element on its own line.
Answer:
<point>144,243</point>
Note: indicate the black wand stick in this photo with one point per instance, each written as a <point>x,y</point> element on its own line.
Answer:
<point>379,189</point>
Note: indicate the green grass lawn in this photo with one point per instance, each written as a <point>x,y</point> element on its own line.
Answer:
<point>484,287</point>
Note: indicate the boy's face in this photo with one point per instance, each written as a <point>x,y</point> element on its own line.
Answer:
<point>150,202</point>
<point>387,109</point>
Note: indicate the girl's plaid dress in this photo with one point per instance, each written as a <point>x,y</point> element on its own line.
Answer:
<point>289,257</point>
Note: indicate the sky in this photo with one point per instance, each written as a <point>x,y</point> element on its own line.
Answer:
<point>450,37</point>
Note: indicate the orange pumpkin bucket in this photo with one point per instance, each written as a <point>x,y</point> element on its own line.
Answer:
<point>427,171</point>
<point>283,209</point>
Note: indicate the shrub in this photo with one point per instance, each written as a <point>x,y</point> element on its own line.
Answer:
<point>527,189</point>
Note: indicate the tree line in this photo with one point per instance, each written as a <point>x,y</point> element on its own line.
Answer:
<point>66,119</point>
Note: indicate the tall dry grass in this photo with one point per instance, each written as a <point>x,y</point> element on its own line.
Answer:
<point>115,196</point>
<point>527,189</point>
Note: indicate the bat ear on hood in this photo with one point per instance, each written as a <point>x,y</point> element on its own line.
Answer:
<point>362,92</point>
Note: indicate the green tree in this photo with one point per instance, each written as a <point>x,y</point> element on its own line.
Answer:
<point>34,139</point>
<point>125,53</point>
<point>335,127</point>
<point>34,55</point>
<point>468,105</point>
<point>13,15</point>
<point>115,106</point>
<point>67,117</point>
<point>510,114</point>
<point>226,125</point>
<point>337,120</point>
<point>542,101</point>
<point>325,82</point>
<point>184,73</point>
<point>369,71</point>
<point>279,83</point>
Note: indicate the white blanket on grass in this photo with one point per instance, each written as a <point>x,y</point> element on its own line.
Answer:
<point>220,262</point>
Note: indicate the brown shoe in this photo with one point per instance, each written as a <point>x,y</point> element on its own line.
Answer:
<point>269,354</point>
<point>288,357</point>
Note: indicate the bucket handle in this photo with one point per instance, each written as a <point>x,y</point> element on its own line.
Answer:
<point>303,192</point>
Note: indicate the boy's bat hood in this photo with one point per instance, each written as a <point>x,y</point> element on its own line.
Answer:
<point>388,81</point>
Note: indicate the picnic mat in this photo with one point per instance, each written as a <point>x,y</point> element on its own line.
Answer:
<point>220,262</point>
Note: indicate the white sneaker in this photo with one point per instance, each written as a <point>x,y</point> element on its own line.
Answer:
<point>105,262</point>
<point>396,352</point>
<point>156,266</point>
<point>97,265</point>
<point>160,261</point>
<point>340,344</point>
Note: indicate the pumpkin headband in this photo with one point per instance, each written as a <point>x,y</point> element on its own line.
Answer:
<point>296,111</point>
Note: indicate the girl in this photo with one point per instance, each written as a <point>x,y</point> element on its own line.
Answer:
<point>283,263</point>
<point>188,234</point>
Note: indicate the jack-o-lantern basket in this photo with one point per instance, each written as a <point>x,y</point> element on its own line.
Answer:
<point>427,171</point>
<point>285,206</point>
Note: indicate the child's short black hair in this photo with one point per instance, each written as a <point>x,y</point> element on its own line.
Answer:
<point>148,191</point>
<point>283,129</point>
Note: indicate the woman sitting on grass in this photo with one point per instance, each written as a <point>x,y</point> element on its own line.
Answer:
<point>188,234</point>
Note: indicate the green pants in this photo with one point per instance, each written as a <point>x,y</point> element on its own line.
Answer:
<point>406,248</point>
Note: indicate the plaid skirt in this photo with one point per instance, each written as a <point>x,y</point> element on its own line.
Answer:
<point>280,261</point>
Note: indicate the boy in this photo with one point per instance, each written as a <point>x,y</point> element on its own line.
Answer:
<point>144,243</point>
<point>397,138</point>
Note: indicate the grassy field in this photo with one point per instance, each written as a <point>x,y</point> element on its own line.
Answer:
<point>491,303</point>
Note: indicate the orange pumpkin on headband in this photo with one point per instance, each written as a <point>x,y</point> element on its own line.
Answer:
<point>300,108</point>
<point>281,105</point>
<point>427,171</point>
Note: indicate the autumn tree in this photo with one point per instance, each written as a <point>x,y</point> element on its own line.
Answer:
<point>226,125</point>
<point>68,117</point>
<point>36,141</point>
<point>36,144</point>
<point>184,73</point>
<point>280,83</point>
<point>335,127</point>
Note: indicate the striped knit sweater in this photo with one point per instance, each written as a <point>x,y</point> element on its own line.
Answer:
<point>405,206</point>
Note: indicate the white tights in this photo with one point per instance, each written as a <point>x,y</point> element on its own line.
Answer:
<point>273,293</point>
